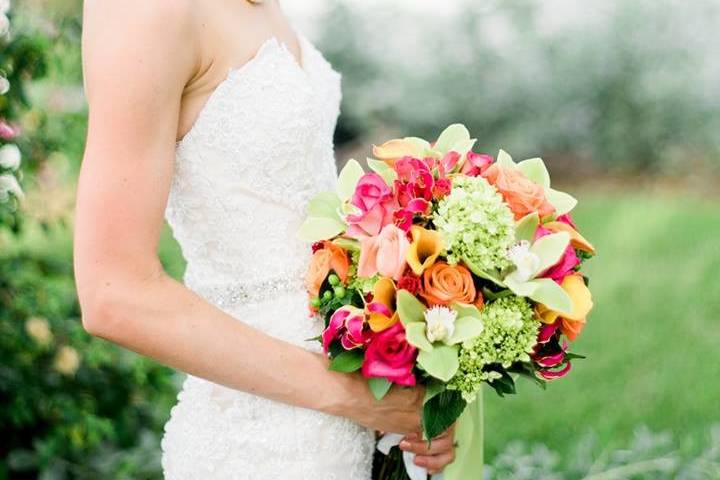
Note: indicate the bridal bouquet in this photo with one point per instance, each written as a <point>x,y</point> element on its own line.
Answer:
<point>446,268</point>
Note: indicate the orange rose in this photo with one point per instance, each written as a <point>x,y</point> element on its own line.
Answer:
<point>329,257</point>
<point>522,195</point>
<point>443,284</point>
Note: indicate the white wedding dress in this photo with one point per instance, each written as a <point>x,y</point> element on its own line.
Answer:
<point>260,149</point>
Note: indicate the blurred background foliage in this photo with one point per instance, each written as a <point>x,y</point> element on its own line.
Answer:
<point>622,101</point>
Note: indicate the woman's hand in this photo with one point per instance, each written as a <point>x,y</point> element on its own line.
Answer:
<point>433,456</point>
<point>398,412</point>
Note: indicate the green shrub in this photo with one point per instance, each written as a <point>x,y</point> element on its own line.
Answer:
<point>71,406</point>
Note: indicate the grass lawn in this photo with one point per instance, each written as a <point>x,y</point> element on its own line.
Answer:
<point>652,341</point>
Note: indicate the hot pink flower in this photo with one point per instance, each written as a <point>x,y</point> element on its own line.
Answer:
<point>476,164</point>
<point>347,324</point>
<point>375,200</point>
<point>389,355</point>
<point>6,131</point>
<point>415,180</point>
<point>567,219</point>
<point>384,254</point>
<point>565,266</point>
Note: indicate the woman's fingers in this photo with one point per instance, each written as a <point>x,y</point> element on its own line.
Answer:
<point>436,463</point>
<point>442,444</point>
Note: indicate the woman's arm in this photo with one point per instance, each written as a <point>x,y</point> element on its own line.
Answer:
<point>138,58</point>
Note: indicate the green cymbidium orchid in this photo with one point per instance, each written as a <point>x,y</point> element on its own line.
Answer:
<point>439,357</point>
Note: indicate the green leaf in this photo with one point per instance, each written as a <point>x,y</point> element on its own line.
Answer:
<point>441,363</point>
<point>574,356</point>
<point>347,362</point>
<point>325,205</point>
<point>347,244</point>
<point>490,276</point>
<point>450,137</point>
<point>348,179</point>
<point>563,202</point>
<point>550,249</point>
<point>504,385</point>
<point>379,387</point>
<point>466,310</point>
<point>383,169</point>
<point>415,334</point>
<point>432,389</point>
<point>441,411</point>
<point>505,160</point>
<point>314,229</point>
<point>409,308</point>
<point>526,227</point>
<point>466,328</point>
<point>535,170</point>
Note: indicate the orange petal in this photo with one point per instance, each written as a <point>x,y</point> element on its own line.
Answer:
<point>571,328</point>
<point>384,292</point>
<point>580,295</point>
<point>379,322</point>
<point>392,150</point>
<point>577,240</point>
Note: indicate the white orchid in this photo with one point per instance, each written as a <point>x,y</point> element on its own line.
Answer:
<point>526,261</point>
<point>10,157</point>
<point>440,323</point>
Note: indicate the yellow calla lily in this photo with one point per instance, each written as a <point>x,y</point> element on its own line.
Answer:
<point>380,318</point>
<point>576,240</point>
<point>393,150</point>
<point>573,323</point>
<point>424,250</point>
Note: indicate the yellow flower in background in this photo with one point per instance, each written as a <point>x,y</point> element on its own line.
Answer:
<point>67,360</point>
<point>424,250</point>
<point>393,150</point>
<point>39,330</point>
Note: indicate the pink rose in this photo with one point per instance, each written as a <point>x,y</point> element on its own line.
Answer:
<point>347,324</point>
<point>384,254</point>
<point>565,266</point>
<point>389,355</point>
<point>476,164</point>
<point>6,131</point>
<point>377,204</point>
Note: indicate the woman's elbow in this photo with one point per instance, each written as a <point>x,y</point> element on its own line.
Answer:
<point>100,312</point>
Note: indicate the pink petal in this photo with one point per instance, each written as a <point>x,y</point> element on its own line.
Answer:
<point>547,331</point>
<point>379,308</point>
<point>554,374</point>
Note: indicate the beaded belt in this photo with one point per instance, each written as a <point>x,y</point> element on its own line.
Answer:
<point>229,295</point>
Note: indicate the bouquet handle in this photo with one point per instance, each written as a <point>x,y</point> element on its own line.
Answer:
<point>469,459</point>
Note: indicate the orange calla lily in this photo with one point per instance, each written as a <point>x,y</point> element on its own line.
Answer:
<point>573,323</point>
<point>576,240</point>
<point>393,150</point>
<point>381,312</point>
<point>424,250</point>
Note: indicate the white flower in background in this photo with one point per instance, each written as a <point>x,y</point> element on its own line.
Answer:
<point>9,185</point>
<point>525,261</point>
<point>4,82</point>
<point>4,24</point>
<point>10,157</point>
<point>4,6</point>
<point>67,360</point>
<point>440,323</point>
<point>39,330</point>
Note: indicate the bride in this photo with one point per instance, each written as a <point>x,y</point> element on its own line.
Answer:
<point>217,116</point>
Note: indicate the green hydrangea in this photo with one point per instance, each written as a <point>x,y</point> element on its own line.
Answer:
<point>509,336</point>
<point>476,224</point>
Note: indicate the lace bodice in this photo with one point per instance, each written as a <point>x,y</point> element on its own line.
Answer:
<point>260,149</point>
